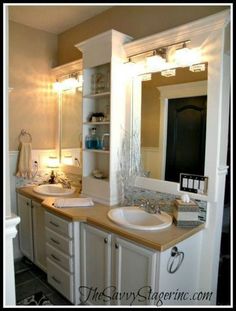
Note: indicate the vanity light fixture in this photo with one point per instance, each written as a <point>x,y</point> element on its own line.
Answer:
<point>197,68</point>
<point>72,82</point>
<point>168,72</point>
<point>52,162</point>
<point>156,61</point>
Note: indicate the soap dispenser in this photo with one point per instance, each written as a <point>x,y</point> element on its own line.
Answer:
<point>92,139</point>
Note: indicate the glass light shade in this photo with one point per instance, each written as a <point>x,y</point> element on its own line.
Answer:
<point>130,68</point>
<point>67,159</point>
<point>197,67</point>
<point>155,62</point>
<point>70,83</point>
<point>52,162</point>
<point>57,86</point>
<point>168,73</point>
<point>186,57</point>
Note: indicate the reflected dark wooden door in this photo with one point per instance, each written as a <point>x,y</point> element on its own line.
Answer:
<point>186,135</point>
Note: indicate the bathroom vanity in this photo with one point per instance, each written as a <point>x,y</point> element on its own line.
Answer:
<point>92,260</point>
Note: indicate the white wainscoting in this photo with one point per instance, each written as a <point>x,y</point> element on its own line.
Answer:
<point>37,155</point>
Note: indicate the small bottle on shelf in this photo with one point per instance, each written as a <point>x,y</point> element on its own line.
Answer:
<point>92,140</point>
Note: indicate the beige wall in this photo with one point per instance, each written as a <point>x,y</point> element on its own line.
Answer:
<point>32,104</point>
<point>136,21</point>
<point>150,114</point>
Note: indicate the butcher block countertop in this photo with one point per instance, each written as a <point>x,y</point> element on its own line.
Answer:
<point>97,215</point>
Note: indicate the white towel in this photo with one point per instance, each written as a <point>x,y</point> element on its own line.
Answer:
<point>73,202</point>
<point>25,161</point>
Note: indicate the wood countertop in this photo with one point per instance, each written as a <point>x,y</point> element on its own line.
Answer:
<point>97,215</point>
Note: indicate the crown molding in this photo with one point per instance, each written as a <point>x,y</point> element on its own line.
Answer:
<point>184,32</point>
<point>68,68</point>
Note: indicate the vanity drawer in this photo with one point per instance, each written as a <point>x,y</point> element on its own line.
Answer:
<point>60,279</point>
<point>59,242</point>
<point>59,258</point>
<point>58,224</point>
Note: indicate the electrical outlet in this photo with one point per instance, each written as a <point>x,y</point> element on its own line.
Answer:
<point>193,183</point>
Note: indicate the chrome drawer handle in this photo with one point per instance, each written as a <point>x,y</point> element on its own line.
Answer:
<point>53,223</point>
<point>54,241</point>
<point>53,256</point>
<point>56,280</point>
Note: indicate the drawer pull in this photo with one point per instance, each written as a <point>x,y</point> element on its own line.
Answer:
<point>105,240</point>
<point>56,280</point>
<point>53,223</point>
<point>54,257</point>
<point>116,246</point>
<point>54,241</point>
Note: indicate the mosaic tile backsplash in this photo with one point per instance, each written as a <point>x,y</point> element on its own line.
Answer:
<point>134,196</point>
<point>43,176</point>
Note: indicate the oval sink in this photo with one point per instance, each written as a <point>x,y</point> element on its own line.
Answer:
<point>53,190</point>
<point>133,217</point>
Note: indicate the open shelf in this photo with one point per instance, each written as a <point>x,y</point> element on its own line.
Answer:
<point>97,123</point>
<point>97,150</point>
<point>97,95</point>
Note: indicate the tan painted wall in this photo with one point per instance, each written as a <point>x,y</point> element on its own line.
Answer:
<point>150,118</point>
<point>32,104</point>
<point>136,21</point>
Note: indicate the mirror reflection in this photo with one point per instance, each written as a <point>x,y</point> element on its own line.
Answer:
<point>71,127</point>
<point>173,123</point>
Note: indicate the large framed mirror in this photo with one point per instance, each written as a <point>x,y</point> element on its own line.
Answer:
<point>71,127</point>
<point>214,49</point>
<point>169,116</point>
<point>173,123</point>
<point>69,137</point>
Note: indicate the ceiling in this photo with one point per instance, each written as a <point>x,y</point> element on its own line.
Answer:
<point>53,18</point>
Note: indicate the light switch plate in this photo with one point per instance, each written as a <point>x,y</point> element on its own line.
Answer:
<point>193,183</point>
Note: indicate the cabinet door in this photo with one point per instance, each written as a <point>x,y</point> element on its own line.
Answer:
<point>25,226</point>
<point>135,273</point>
<point>95,265</point>
<point>39,236</point>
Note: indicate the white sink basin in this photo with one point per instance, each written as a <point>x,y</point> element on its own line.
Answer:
<point>133,217</point>
<point>53,190</point>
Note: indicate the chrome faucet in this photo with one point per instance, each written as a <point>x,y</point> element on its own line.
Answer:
<point>65,182</point>
<point>150,206</point>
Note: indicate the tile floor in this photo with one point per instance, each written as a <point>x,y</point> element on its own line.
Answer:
<point>29,279</point>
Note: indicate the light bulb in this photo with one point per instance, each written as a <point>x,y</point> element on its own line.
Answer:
<point>57,86</point>
<point>70,83</point>
<point>155,62</point>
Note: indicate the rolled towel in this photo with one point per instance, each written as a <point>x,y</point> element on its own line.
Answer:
<point>73,202</point>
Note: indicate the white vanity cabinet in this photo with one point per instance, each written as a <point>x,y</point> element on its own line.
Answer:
<point>135,271</point>
<point>95,264</point>
<point>31,230</point>
<point>117,271</point>
<point>111,265</point>
<point>62,247</point>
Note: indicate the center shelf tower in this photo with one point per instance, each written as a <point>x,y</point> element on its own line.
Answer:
<point>106,108</point>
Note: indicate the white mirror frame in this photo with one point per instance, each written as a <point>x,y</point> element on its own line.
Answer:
<point>58,72</point>
<point>210,34</point>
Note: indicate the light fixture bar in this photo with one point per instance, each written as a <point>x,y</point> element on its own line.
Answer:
<point>159,48</point>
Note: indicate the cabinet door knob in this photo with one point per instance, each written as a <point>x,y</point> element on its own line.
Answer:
<point>105,240</point>
<point>27,204</point>
<point>116,245</point>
